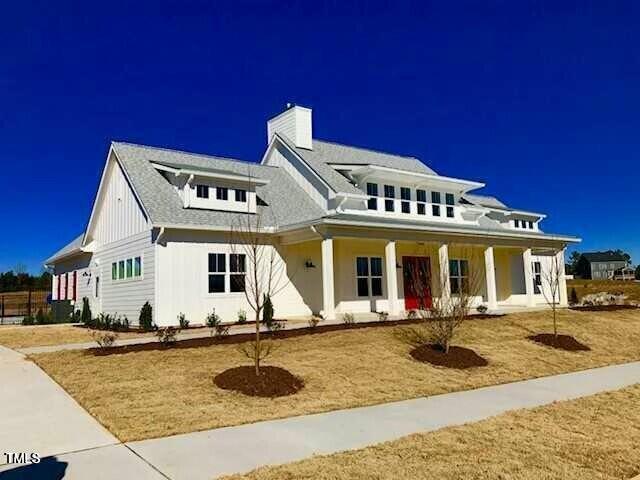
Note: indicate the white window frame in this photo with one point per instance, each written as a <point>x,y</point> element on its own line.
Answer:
<point>369,276</point>
<point>226,274</point>
<point>537,277</point>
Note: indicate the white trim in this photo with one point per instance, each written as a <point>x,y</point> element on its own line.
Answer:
<point>208,174</point>
<point>466,185</point>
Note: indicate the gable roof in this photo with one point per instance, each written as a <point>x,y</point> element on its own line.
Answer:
<point>608,256</point>
<point>286,202</point>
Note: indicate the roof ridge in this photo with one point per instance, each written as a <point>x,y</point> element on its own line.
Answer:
<point>193,154</point>
<point>367,149</point>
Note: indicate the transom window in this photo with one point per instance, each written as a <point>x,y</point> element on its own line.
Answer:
<point>369,276</point>
<point>222,193</point>
<point>459,276</point>
<point>372,191</point>
<point>218,272</point>
<point>241,196</point>
<point>202,191</point>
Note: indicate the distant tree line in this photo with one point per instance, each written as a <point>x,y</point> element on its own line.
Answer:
<point>18,280</point>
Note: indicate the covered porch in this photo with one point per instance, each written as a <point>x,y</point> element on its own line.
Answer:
<point>360,271</point>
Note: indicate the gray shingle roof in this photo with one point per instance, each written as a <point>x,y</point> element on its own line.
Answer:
<point>485,201</point>
<point>324,154</point>
<point>287,202</point>
<point>608,256</point>
<point>331,152</point>
<point>71,247</point>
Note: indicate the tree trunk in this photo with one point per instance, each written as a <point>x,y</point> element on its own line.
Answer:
<point>257,351</point>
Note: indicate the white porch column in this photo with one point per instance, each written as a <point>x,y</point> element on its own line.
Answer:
<point>328,301</point>
<point>528,277</point>
<point>445,283</point>
<point>490,272</point>
<point>392,279</point>
<point>562,279</point>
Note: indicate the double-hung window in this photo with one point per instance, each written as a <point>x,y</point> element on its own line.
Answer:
<point>237,272</point>
<point>217,269</point>
<point>450,201</point>
<point>405,195</point>
<point>372,191</point>
<point>516,223</point>
<point>369,276</point>
<point>389,194</point>
<point>421,199</point>
<point>202,191</point>
<point>537,277</point>
<point>222,193</point>
<point>435,200</point>
<point>530,225</point>
<point>241,196</point>
<point>459,276</point>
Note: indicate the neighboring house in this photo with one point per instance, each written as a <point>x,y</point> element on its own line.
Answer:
<point>350,224</point>
<point>603,265</point>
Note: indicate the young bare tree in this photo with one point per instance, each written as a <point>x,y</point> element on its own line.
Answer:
<point>459,285</point>
<point>254,248</point>
<point>550,286</point>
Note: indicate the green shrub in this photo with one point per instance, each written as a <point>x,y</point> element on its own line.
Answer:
<point>267,311</point>
<point>313,322</point>
<point>85,316</point>
<point>28,321</point>
<point>167,335</point>
<point>383,316</point>
<point>482,309</point>
<point>348,319</point>
<point>242,316</point>
<point>182,321</point>
<point>145,321</point>
<point>218,329</point>
<point>573,297</point>
<point>41,317</point>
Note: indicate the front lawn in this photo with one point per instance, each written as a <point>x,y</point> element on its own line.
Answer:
<point>44,335</point>
<point>154,393</point>
<point>592,437</point>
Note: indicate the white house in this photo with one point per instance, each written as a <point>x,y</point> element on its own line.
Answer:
<point>347,223</point>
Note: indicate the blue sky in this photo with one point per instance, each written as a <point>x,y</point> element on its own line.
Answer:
<point>539,100</point>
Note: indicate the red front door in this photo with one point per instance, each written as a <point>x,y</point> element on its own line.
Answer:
<point>416,273</point>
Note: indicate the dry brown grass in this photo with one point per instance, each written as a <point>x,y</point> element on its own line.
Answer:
<point>595,437</point>
<point>156,393</point>
<point>585,287</point>
<point>43,335</point>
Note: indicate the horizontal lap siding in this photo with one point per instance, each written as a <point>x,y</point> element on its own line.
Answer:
<point>126,297</point>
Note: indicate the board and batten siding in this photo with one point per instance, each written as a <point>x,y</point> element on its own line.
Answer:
<point>118,213</point>
<point>126,296</point>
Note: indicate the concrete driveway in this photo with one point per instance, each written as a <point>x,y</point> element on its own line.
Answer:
<point>38,416</point>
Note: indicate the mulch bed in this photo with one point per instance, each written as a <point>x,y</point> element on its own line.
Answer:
<point>458,357</point>
<point>272,381</point>
<point>603,308</point>
<point>564,342</point>
<point>248,337</point>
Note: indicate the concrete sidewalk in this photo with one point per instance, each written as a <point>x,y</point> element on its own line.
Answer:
<point>38,416</point>
<point>204,455</point>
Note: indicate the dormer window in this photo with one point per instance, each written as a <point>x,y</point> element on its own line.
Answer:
<point>421,199</point>
<point>390,194</point>
<point>222,193</point>
<point>405,195</point>
<point>372,191</point>
<point>450,201</point>
<point>202,191</point>
<point>516,223</point>
<point>435,199</point>
<point>530,224</point>
<point>241,196</point>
